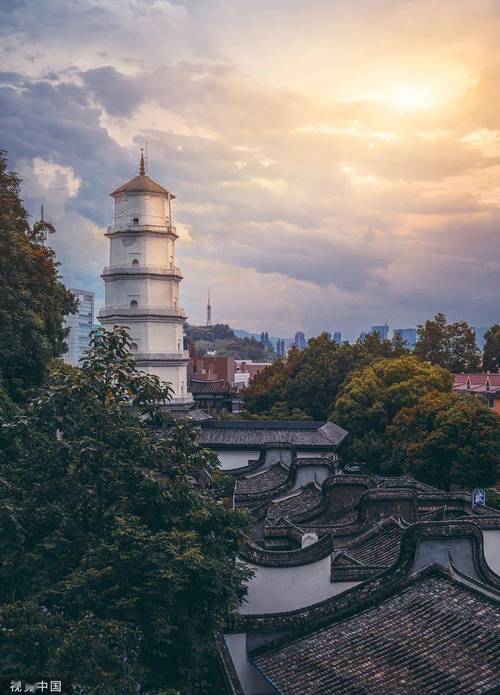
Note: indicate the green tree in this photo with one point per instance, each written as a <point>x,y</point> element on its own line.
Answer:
<point>309,380</point>
<point>491,354</point>
<point>374,346</point>
<point>317,374</point>
<point>374,395</point>
<point>116,568</point>
<point>449,345</point>
<point>447,439</point>
<point>267,387</point>
<point>33,301</point>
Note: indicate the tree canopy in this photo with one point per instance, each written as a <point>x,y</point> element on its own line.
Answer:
<point>491,354</point>
<point>226,343</point>
<point>373,396</point>
<point>116,567</point>
<point>310,379</point>
<point>449,345</point>
<point>447,439</point>
<point>33,300</point>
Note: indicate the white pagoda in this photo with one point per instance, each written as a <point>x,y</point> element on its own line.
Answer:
<point>142,281</point>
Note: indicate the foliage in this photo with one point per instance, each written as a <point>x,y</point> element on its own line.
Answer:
<point>219,331</point>
<point>116,569</point>
<point>221,338</point>
<point>491,354</point>
<point>374,395</point>
<point>449,345</point>
<point>309,380</point>
<point>278,411</point>
<point>493,498</point>
<point>33,301</point>
<point>447,439</point>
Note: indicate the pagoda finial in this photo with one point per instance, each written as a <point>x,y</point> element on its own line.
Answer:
<point>142,168</point>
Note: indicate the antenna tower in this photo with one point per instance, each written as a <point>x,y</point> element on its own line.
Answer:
<point>209,311</point>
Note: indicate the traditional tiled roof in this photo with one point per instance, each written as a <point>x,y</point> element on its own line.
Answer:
<point>257,433</point>
<point>266,479</point>
<point>435,636</point>
<point>379,546</point>
<point>216,386</point>
<point>295,503</point>
<point>410,502</point>
<point>275,480</point>
<point>142,183</point>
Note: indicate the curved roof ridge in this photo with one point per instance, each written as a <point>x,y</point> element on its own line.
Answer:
<point>142,183</point>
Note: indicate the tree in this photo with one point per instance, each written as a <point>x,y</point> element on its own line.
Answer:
<point>374,395</point>
<point>317,374</point>
<point>491,354</point>
<point>116,568</point>
<point>33,301</point>
<point>267,387</point>
<point>309,380</point>
<point>447,439</point>
<point>449,345</point>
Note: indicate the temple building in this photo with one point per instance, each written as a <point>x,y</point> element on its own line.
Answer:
<point>142,281</point>
<point>361,583</point>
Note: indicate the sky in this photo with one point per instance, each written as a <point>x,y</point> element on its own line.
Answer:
<point>336,164</point>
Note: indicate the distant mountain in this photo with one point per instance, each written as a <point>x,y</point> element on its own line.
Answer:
<point>227,342</point>
<point>246,334</point>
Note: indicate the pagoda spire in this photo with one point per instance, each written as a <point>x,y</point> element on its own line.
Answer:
<point>142,168</point>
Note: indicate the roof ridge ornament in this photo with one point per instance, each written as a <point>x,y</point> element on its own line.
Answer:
<point>142,168</point>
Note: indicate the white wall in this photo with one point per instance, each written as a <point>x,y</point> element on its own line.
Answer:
<point>306,475</point>
<point>251,680</point>
<point>491,541</point>
<point>304,454</point>
<point>150,209</point>
<point>149,249</point>
<point>275,589</point>
<point>236,459</point>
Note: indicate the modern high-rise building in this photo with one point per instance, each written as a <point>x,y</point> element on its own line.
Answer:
<point>480,331</point>
<point>337,337</point>
<point>300,340</point>
<point>80,325</point>
<point>264,341</point>
<point>280,347</point>
<point>383,331</point>
<point>409,335</point>
<point>142,281</point>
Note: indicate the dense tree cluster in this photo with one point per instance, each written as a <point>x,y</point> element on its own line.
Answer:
<point>33,300</point>
<point>449,345</point>
<point>226,343</point>
<point>116,569</point>
<point>446,439</point>
<point>375,389</point>
<point>309,381</point>
<point>117,566</point>
<point>491,354</point>
<point>374,395</point>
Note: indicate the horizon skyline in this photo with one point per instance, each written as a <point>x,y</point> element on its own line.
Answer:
<point>328,160</point>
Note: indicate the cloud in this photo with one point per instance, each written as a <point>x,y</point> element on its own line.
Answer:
<point>298,174</point>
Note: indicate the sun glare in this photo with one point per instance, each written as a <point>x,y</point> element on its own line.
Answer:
<point>412,98</point>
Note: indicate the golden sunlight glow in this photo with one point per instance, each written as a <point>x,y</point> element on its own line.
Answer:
<point>413,98</point>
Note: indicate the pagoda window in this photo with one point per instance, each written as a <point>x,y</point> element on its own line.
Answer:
<point>133,304</point>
